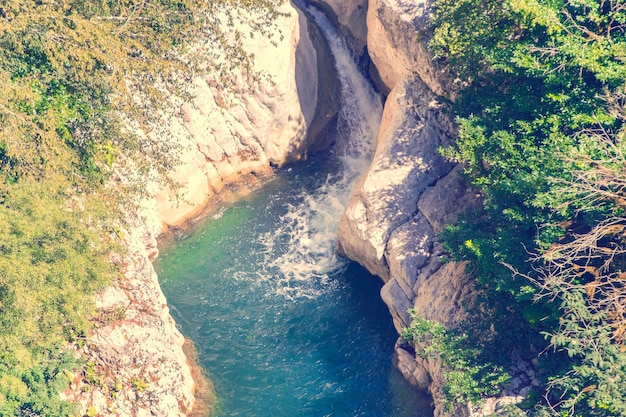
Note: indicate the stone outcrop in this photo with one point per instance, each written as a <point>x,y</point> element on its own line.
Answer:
<point>137,363</point>
<point>397,34</point>
<point>410,192</point>
<point>227,133</point>
<point>391,224</point>
<point>138,366</point>
<point>405,163</point>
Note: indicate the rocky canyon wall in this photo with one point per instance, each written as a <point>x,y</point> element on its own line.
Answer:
<point>227,133</point>
<point>410,192</point>
<point>137,365</point>
<point>349,18</point>
<point>397,35</point>
<point>391,224</point>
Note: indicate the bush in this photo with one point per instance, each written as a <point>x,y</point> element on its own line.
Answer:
<point>73,73</point>
<point>467,378</point>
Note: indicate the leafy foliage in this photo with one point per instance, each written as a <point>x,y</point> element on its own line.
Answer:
<point>541,112</point>
<point>466,379</point>
<point>52,261</point>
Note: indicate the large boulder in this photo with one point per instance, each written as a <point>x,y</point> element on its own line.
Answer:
<point>406,162</point>
<point>397,36</point>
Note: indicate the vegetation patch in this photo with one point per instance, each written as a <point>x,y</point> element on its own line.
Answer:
<point>542,90</point>
<point>466,378</point>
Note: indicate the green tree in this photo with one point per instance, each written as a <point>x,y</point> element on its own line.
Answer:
<point>541,116</point>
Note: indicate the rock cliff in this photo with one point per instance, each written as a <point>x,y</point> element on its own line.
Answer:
<point>397,34</point>
<point>390,226</point>
<point>227,133</point>
<point>410,192</point>
<point>137,365</point>
<point>406,162</point>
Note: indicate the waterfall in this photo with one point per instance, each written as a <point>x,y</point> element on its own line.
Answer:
<point>284,326</point>
<point>361,106</point>
<point>302,267</point>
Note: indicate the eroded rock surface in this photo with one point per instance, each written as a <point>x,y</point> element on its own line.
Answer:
<point>226,133</point>
<point>397,34</point>
<point>406,162</point>
<point>137,363</point>
<point>410,192</point>
<point>391,224</point>
<point>138,367</point>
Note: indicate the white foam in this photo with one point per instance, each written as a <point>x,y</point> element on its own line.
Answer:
<point>300,254</point>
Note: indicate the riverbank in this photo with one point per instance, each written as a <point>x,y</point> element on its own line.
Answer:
<point>204,390</point>
<point>225,138</point>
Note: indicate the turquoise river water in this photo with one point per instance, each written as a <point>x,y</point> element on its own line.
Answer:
<point>284,331</point>
<point>283,326</point>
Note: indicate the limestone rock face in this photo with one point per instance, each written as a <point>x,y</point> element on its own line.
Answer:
<point>397,35</point>
<point>410,193</point>
<point>227,133</point>
<point>391,224</point>
<point>405,163</point>
<point>138,363</point>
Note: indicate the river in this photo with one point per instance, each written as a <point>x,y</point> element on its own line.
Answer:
<point>282,325</point>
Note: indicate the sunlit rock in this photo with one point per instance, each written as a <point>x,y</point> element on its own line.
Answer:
<point>406,162</point>
<point>242,126</point>
<point>397,34</point>
<point>135,350</point>
<point>390,226</point>
<point>138,366</point>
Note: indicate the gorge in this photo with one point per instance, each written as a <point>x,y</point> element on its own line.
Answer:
<point>228,135</point>
<point>239,104</point>
<point>283,325</point>
<point>282,163</point>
